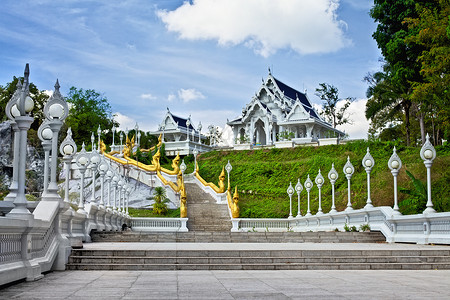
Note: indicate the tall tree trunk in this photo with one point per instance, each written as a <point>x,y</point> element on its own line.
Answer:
<point>422,127</point>
<point>407,106</point>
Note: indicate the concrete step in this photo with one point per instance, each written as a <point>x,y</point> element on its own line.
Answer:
<point>258,259</point>
<point>239,237</point>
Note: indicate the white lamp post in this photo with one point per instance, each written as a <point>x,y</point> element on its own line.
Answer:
<point>199,128</point>
<point>82,162</point>
<point>68,148</point>
<point>119,188</point>
<point>102,169</point>
<point>290,192</point>
<point>115,180</point>
<point>188,123</point>
<point>18,108</point>
<point>333,176</point>
<point>108,178</point>
<point>298,189</point>
<point>395,164</point>
<point>95,160</point>
<point>428,154</point>
<point>195,152</point>
<point>308,187</point>
<point>348,171</point>
<point>163,127</point>
<point>56,111</point>
<point>182,168</point>
<point>228,167</point>
<point>139,139</point>
<point>92,141</point>
<point>128,199</point>
<point>121,144</point>
<point>99,132</point>
<point>113,133</point>
<point>368,162</point>
<point>45,134</point>
<point>319,182</point>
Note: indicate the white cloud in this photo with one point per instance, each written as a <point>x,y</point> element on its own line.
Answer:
<point>308,26</point>
<point>124,121</point>
<point>148,97</point>
<point>360,125</point>
<point>187,95</point>
<point>171,98</point>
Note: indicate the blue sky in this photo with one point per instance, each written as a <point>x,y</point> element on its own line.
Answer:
<point>204,57</point>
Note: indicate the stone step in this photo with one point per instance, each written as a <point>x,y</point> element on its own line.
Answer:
<point>258,259</point>
<point>239,237</point>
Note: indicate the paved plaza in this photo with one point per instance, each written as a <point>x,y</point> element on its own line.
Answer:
<point>401,284</point>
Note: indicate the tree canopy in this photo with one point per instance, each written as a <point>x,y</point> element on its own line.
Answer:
<point>88,110</point>
<point>331,113</point>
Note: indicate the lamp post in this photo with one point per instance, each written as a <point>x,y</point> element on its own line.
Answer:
<point>199,128</point>
<point>56,111</point>
<point>139,139</point>
<point>115,180</point>
<point>298,189</point>
<point>9,109</point>
<point>67,148</point>
<point>119,188</point>
<point>428,154</point>
<point>121,144</point>
<point>182,168</point>
<point>163,127</point>
<point>319,182</point>
<point>102,169</point>
<point>19,108</point>
<point>95,160</point>
<point>333,176</point>
<point>108,177</point>
<point>308,186</point>
<point>368,162</point>
<point>113,133</point>
<point>136,130</point>
<point>290,191</point>
<point>188,123</point>
<point>348,171</point>
<point>82,162</point>
<point>228,167</point>
<point>92,141</point>
<point>99,132</point>
<point>195,152</point>
<point>128,199</point>
<point>45,134</point>
<point>395,164</point>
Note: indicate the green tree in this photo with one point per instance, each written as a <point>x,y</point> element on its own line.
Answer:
<point>161,200</point>
<point>402,66</point>
<point>433,34</point>
<point>330,95</point>
<point>39,97</point>
<point>88,110</point>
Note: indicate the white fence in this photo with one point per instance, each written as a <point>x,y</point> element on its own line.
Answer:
<point>159,224</point>
<point>31,247</point>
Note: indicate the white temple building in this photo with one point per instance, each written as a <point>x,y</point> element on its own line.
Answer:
<point>281,116</point>
<point>180,136</point>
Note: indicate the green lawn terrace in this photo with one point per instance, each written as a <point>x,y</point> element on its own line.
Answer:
<point>263,176</point>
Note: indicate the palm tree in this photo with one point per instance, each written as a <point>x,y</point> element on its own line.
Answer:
<point>161,200</point>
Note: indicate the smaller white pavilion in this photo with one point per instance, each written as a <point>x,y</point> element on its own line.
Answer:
<point>281,116</point>
<point>180,136</point>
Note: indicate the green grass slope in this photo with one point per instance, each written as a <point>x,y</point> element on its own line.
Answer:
<point>263,176</point>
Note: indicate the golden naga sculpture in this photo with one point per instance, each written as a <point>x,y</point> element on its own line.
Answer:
<point>175,166</point>
<point>129,144</point>
<point>183,198</point>
<point>102,147</point>
<point>220,189</point>
<point>154,147</point>
<point>235,206</point>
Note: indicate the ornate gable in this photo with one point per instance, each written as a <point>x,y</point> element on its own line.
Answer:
<point>297,113</point>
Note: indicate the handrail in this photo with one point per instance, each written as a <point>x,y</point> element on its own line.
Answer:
<point>220,189</point>
<point>154,147</point>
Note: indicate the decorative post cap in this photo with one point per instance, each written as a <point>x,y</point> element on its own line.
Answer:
<point>290,189</point>
<point>308,184</point>
<point>394,163</point>
<point>368,162</point>
<point>333,174</point>
<point>427,152</point>
<point>298,186</point>
<point>319,180</point>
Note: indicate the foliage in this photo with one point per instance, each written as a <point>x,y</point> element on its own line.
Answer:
<point>39,98</point>
<point>330,95</point>
<point>262,176</point>
<point>88,110</point>
<point>161,200</point>
<point>416,202</point>
<point>364,227</point>
<point>285,136</point>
